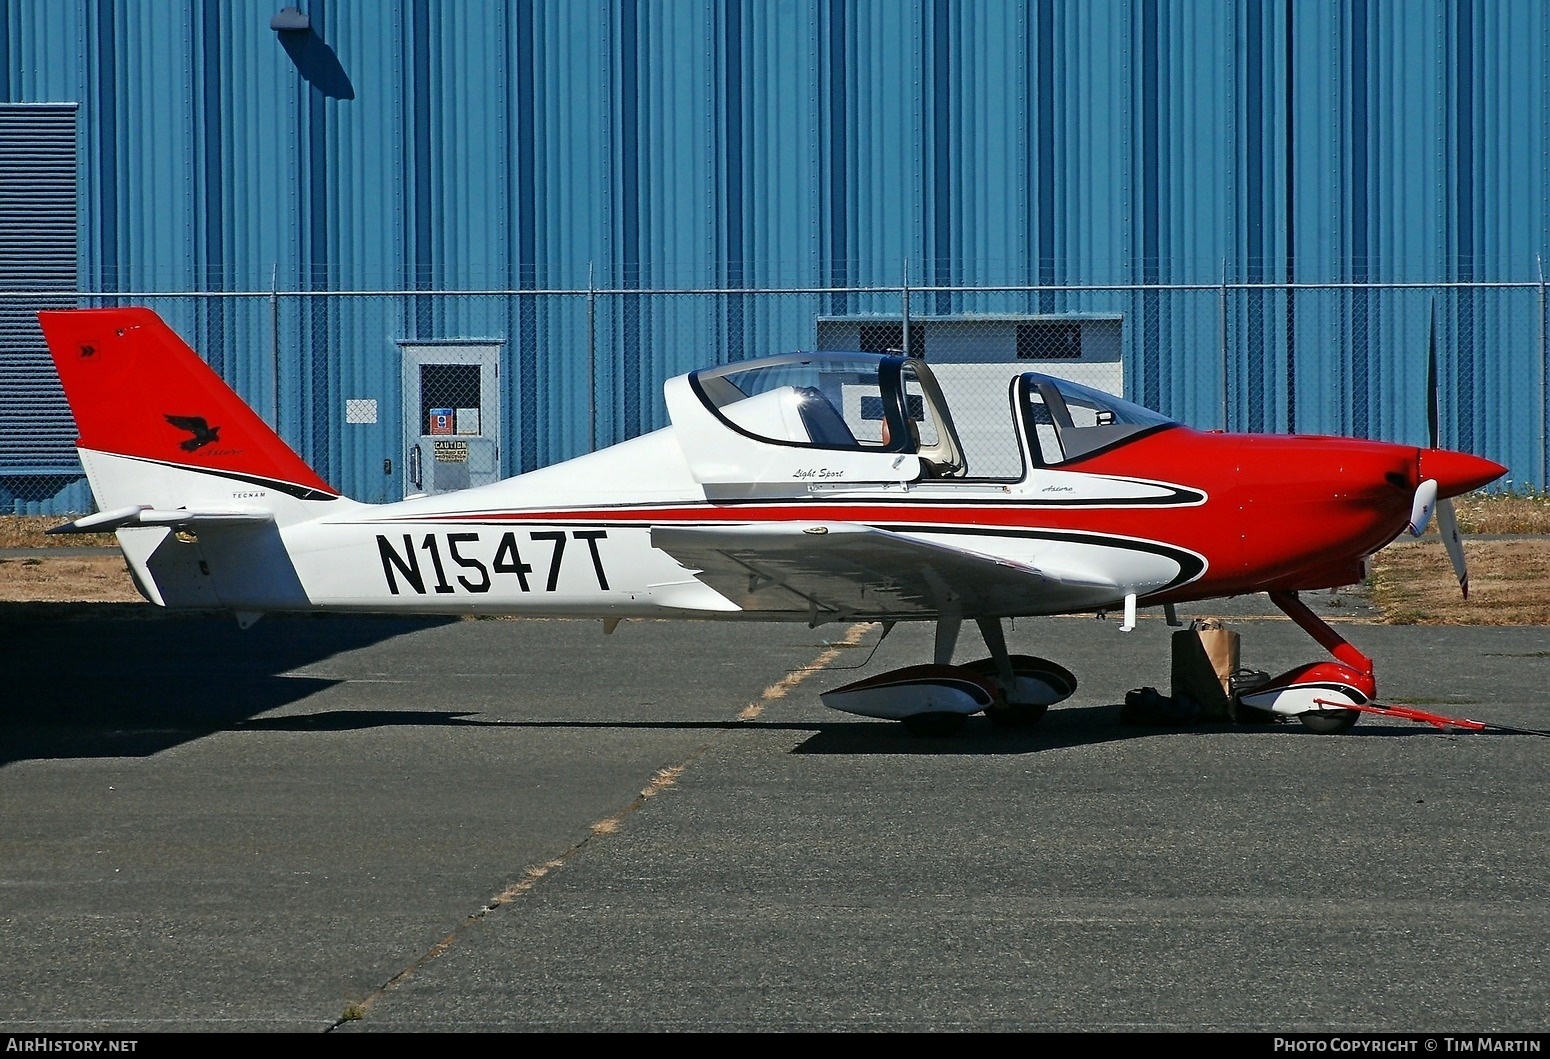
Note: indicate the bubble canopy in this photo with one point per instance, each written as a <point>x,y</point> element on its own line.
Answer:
<point>860,402</point>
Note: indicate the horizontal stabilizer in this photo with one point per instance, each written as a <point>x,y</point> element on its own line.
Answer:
<point>176,518</point>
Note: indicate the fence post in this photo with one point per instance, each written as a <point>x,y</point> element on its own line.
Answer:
<point>591,359</point>
<point>905,292</point>
<point>274,341</point>
<point>1221,336</point>
<point>1544,413</point>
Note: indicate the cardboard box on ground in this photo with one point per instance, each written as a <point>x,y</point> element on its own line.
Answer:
<point>1205,664</point>
<point>1205,657</point>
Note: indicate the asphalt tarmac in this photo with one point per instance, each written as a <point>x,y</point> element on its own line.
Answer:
<point>346,825</point>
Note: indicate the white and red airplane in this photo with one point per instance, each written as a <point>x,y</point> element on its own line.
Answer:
<point>812,487</point>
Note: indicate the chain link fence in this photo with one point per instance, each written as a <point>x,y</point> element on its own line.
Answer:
<point>388,393</point>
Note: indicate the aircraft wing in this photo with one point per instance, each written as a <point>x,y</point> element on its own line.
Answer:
<point>837,570</point>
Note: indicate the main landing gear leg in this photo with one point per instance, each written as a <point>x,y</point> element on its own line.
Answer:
<point>1024,687</point>
<point>946,639</point>
<point>1319,695</point>
<point>995,640</point>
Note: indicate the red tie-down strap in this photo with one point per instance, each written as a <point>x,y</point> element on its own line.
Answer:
<point>1410,713</point>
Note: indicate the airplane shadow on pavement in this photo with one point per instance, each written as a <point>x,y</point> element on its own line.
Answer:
<point>1065,727</point>
<point>114,680</point>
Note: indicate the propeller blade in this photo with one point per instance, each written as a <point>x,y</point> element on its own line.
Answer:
<point>1423,505</point>
<point>1448,527</point>
<point>1459,473</point>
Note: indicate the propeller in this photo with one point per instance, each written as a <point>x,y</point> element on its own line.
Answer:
<point>1426,494</point>
<point>1422,507</point>
<point>1448,527</point>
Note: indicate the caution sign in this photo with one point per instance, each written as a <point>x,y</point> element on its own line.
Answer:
<point>451,452</point>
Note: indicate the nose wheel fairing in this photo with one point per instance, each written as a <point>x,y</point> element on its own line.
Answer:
<point>1324,696</point>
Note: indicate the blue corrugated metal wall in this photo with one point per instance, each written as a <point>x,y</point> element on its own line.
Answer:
<point>537,144</point>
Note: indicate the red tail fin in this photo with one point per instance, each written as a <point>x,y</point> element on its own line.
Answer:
<point>138,390</point>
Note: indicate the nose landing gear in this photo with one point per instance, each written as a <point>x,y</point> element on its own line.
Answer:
<point>1325,696</point>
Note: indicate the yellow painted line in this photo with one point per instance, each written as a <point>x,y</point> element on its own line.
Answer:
<point>783,687</point>
<point>662,780</point>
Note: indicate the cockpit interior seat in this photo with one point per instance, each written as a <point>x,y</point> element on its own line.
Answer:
<point>824,424</point>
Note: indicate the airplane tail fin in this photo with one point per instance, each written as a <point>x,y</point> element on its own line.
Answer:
<point>195,484</point>
<point>160,432</point>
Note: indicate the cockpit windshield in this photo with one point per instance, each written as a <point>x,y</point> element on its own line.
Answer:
<point>1067,420</point>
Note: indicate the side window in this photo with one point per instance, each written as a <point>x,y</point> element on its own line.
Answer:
<point>1067,421</point>
<point>822,403</point>
<point>1042,433</point>
<point>932,433</point>
<point>921,416</point>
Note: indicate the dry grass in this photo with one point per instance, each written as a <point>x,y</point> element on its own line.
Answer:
<point>1486,513</point>
<point>1412,582</point>
<point>1509,580</point>
<point>28,531</point>
<point>67,579</point>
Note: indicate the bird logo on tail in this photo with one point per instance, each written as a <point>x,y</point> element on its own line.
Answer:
<point>203,433</point>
